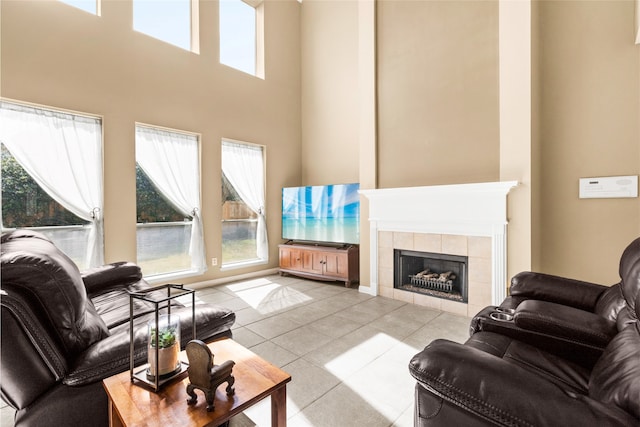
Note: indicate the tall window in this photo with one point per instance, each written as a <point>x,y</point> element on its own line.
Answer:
<point>244,231</point>
<point>167,20</point>
<point>52,178</point>
<point>90,6</point>
<point>241,35</point>
<point>169,231</point>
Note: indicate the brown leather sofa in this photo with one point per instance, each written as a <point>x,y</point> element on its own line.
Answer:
<point>64,331</point>
<point>568,317</point>
<point>553,368</point>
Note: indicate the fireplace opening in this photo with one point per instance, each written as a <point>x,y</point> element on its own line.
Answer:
<point>433,274</point>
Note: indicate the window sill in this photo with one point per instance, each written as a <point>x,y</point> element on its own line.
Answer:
<point>169,277</point>
<point>243,264</point>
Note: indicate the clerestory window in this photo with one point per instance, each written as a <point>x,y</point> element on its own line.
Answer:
<point>91,6</point>
<point>242,35</point>
<point>172,21</point>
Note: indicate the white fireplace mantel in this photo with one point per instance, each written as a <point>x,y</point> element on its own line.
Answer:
<point>478,209</point>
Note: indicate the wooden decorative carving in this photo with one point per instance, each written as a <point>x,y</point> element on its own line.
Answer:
<point>204,375</point>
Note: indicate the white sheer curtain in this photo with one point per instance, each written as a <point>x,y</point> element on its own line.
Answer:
<point>243,165</point>
<point>171,161</point>
<point>63,154</point>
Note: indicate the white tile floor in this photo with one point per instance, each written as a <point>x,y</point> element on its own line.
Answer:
<point>347,352</point>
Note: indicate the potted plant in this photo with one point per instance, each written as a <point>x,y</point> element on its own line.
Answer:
<point>167,339</point>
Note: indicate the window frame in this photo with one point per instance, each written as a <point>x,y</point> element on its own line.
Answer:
<point>189,272</point>
<point>194,27</point>
<point>98,212</point>
<point>96,12</point>
<point>254,261</point>
<point>259,54</point>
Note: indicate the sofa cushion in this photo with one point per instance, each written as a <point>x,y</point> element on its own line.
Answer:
<point>113,305</point>
<point>614,379</point>
<point>33,266</point>
<point>563,373</point>
<point>474,388</point>
<point>610,303</point>
<point>628,259</point>
<point>114,275</point>
<point>561,290</point>
<point>630,284</point>
<point>564,321</point>
<point>111,355</point>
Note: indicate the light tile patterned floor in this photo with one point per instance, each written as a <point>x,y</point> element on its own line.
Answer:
<point>347,352</point>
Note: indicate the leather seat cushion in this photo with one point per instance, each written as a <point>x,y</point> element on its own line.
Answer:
<point>111,355</point>
<point>569,376</point>
<point>113,305</point>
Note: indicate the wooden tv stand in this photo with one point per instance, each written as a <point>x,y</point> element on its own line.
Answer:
<point>328,263</point>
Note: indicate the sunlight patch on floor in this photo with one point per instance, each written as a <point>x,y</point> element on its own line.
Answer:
<point>249,284</point>
<point>359,355</point>
<point>267,297</point>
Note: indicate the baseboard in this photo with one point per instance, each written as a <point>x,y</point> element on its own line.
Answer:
<point>229,279</point>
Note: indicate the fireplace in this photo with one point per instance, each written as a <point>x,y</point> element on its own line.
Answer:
<point>435,274</point>
<point>467,220</point>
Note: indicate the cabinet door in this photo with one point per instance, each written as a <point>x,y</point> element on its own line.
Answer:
<point>290,258</point>
<point>312,261</point>
<point>336,264</point>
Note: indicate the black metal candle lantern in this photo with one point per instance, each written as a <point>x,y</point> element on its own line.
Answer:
<point>163,335</point>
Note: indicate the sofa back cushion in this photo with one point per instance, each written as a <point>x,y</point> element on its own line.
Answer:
<point>630,284</point>
<point>611,303</point>
<point>615,378</point>
<point>34,267</point>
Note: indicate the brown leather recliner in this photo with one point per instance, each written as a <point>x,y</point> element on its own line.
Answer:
<point>568,317</point>
<point>496,379</point>
<point>64,331</point>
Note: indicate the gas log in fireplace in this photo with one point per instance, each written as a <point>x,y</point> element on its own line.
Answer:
<point>437,275</point>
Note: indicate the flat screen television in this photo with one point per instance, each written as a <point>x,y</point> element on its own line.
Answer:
<point>322,213</point>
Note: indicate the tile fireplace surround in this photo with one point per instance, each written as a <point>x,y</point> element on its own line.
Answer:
<point>465,219</point>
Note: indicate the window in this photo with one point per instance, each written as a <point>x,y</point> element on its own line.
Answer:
<point>167,20</point>
<point>244,232</point>
<point>241,35</point>
<point>169,229</point>
<point>63,202</point>
<point>90,6</point>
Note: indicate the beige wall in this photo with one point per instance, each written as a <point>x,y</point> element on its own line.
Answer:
<point>590,114</point>
<point>329,92</point>
<point>59,56</point>
<point>438,120</point>
<point>438,93</point>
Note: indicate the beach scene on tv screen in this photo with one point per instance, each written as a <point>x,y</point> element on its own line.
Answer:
<point>325,213</point>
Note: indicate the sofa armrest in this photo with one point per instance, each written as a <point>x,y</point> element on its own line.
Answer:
<point>494,389</point>
<point>117,274</point>
<point>565,322</point>
<point>561,290</point>
<point>110,356</point>
<point>584,353</point>
<point>107,357</point>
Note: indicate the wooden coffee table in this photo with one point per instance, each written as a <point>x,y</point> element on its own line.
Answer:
<point>255,378</point>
